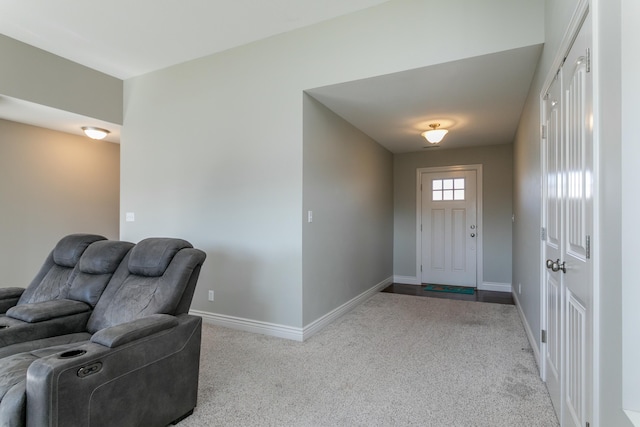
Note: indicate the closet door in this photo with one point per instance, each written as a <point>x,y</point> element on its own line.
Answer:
<point>568,221</point>
<point>553,190</point>
<point>576,265</point>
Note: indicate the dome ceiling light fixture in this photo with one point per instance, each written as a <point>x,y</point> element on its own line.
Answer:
<point>434,135</point>
<point>94,132</point>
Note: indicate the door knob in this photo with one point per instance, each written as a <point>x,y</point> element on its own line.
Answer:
<point>556,265</point>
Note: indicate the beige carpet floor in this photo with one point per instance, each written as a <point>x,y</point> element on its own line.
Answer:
<point>395,360</point>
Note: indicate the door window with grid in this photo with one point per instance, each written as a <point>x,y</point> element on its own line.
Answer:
<point>447,189</point>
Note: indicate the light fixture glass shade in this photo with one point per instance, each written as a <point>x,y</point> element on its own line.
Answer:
<point>95,133</point>
<point>434,135</point>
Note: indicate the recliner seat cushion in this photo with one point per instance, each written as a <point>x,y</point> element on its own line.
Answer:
<point>13,389</point>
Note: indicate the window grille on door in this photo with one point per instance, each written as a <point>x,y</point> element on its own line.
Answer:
<point>447,189</point>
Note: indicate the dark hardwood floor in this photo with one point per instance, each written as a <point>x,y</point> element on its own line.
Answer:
<point>482,296</point>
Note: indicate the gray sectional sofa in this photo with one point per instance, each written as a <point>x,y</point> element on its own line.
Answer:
<point>102,336</point>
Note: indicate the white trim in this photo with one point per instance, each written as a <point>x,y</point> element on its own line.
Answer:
<point>542,365</point>
<point>479,225</point>
<point>497,287</point>
<point>407,280</point>
<point>633,416</point>
<point>318,324</point>
<point>248,325</point>
<point>289,332</point>
<point>533,341</point>
<point>597,232</point>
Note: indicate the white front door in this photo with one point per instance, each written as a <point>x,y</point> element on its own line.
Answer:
<point>449,228</point>
<point>568,220</point>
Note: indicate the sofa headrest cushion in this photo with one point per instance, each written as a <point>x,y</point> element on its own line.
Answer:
<point>70,248</point>
<point>103,257</point>
<point>151,257</point>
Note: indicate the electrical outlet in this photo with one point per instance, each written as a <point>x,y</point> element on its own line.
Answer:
<point>210,295</point>
<point>519,288</point>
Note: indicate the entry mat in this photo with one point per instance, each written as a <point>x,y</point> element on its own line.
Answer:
<point>451,289</point>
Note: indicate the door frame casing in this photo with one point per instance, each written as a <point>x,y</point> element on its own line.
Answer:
<point>479,225</point>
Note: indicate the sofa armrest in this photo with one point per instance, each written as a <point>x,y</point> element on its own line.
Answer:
<point>118,335</point>
<point>47,310</point>
<point>149,381</point>
<point>10,293</point>
<point>9,297</point>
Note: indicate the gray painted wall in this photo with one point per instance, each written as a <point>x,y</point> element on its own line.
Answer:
<point>212,149</point>
<point>51,184</point>
<point>37,76</point>
<point>348,184</point>
<point>606,66</point>
<point>497,164</point>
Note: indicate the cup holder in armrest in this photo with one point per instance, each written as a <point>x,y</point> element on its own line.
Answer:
<point>72,353</point>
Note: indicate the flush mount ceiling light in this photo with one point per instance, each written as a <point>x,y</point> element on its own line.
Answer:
<point>95,133</point>
<point>434,135</point>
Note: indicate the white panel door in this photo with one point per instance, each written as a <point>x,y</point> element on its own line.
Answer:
<point>552,221</point>
<point>568,219</point>
<point>577,271</point>
<point>449,228</point>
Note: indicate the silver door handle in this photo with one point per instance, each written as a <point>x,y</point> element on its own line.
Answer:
<point>560,267</point>
<point>556,265</point>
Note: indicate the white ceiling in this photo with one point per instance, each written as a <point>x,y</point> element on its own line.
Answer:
<point>18,110</point>
<point>478,99</point>
<point>126,38</point>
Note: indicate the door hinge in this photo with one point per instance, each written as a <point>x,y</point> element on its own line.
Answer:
<point>588,248</point>
<point>543,234</point>
<point>420,268</point>
<point>543,132</point>
<point>588,60</point>
<point>543,336</point>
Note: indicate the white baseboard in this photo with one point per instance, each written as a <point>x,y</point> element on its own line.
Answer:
<point>317,325</point>
<point>289,332</point>
<point>249,325</point>
<point>492,286</point>
<point>407,280</point>
<point>533,341</point>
